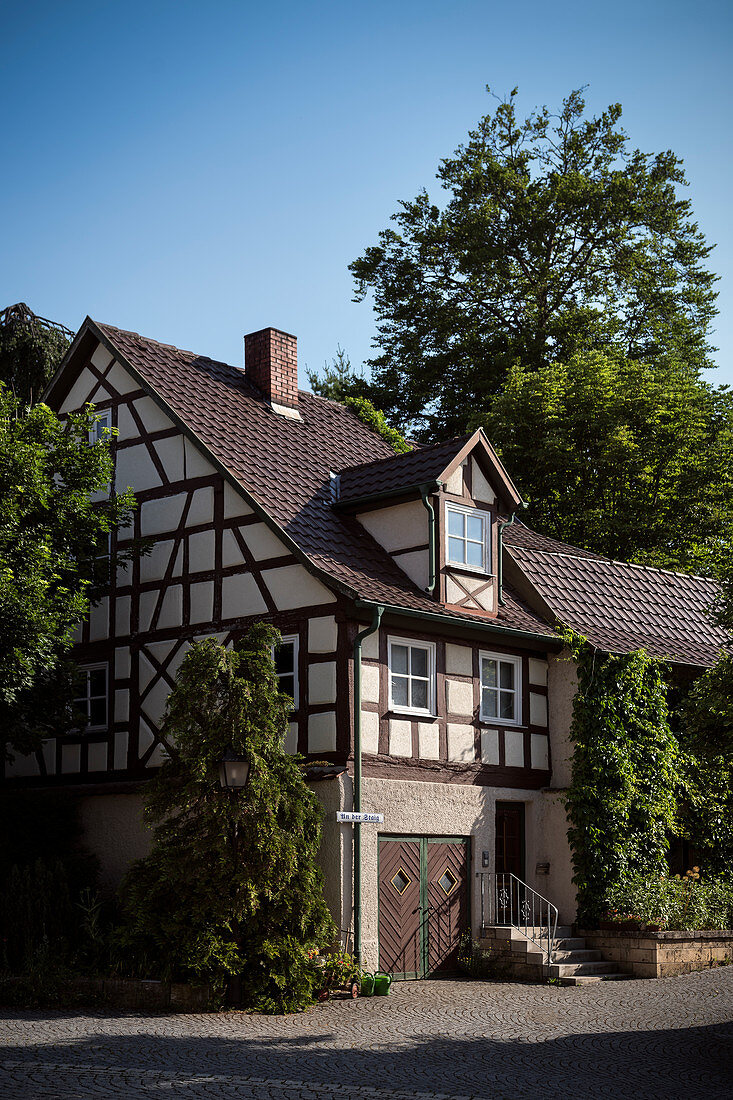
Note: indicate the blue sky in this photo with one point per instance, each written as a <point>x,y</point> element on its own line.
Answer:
<point>195,171</point>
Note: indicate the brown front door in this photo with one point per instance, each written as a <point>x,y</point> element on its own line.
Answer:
<point>509,853</point>
<point>423,903</point>
<point>400,913</point>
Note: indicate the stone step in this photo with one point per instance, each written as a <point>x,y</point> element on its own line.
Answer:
<point>577,956</point>
<point>570,943</point>
<point>576,970</point>
<point>590,979</point>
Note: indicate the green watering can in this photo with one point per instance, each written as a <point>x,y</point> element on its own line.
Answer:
<point>367,984</point>
<point>382,982</point>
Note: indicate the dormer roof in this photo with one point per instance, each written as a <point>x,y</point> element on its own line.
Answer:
<point>406,473</point>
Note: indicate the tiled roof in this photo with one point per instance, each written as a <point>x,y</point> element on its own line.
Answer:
<point>398,471</point>
<point>286,465</point>
<point>521,535</point>
<point>623,607</point>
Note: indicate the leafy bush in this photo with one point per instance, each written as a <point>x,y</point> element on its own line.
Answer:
<point>683,903</point>
<point>231,887</point>
<point>622,802</point>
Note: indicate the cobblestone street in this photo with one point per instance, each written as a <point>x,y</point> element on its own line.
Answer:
<point>434,1040</point>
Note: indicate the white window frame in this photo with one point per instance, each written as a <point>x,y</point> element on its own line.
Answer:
<point>295,640</point>
<point>429,647</point>
<point>102,420</point>
<point>507,658</point>
<point>85,670</point>
<point>485,568</point>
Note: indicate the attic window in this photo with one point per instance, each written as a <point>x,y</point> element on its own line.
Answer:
<point>468,538</point>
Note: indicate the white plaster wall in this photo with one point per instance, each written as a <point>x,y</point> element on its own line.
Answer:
<point>336,855</point>
<point>417,567</point>
<point>134,468</point>
<point>234,504</point>
<point>170,453</point>
<point>121,381</point>
<point>434,809</point>
<point>152,416</point>
<point>158,516</point>
<point>458,660</point>
<point>480,488</point>
<point>322,634</point>
<point>322,732</point>
<point>240,596</point>
<point>262,542</point>
<point>114,829</point>
<point>80,392</point>
<point>399,526</point>
<point>553,848</point>
<point>322,682</point>
<point>563,684</point>
<point>293,586</point>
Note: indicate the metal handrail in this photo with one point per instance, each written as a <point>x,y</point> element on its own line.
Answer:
<point>506,900</point>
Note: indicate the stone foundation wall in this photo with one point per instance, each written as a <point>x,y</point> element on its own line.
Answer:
<point>661,954</point>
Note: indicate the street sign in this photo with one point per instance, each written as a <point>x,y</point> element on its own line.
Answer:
<point>352,818</point>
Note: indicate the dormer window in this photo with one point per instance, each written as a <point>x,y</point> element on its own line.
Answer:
<point>468,538</point>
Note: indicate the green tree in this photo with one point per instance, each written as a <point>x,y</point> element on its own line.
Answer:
<point>53,541</point>
<point>338,380</point>
<point>31,349</point>
<point>555,238</point>
<point>231,886</point>
<point>628,460</point>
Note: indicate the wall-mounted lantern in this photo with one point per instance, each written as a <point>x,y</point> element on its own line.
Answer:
<point>234,770</point>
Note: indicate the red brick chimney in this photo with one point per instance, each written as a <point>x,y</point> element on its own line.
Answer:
<point>271,364</point>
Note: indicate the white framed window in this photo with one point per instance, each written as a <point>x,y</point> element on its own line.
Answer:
<point>90,695</point>
<point>501,689</point>
<point>101,427</point>
<point>411,676</point>
<point>285,657</point>
<point>467,537</point>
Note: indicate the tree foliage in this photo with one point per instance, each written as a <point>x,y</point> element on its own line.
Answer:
<point>629,460</point>
<point>31,349</point>
<point>622,799</point>
<point>231,886</point>
<point>556,238</point>
<point>51,538</point>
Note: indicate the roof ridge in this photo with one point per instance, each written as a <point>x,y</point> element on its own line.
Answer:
<point>615,561</point>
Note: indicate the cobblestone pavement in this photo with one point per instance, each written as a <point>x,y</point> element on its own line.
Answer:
<point>446,1040</point>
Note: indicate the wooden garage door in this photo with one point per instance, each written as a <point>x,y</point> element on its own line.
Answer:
<point>423,903</point>
<point>447,889</point>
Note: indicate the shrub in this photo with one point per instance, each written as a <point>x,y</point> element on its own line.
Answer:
<point>231,886</point>
<point>682,903</point>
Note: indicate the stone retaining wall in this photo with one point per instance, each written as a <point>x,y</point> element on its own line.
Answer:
<point>661,954</point>
<point>174,996</point>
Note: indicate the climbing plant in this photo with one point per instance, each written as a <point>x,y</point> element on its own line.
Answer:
<point>622,799</point>
<point>370,415</point>
<point>231,886</point>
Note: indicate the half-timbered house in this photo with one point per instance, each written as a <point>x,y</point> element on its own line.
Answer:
<point>418,617</point>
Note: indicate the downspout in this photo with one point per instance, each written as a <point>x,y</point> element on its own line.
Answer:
<point>376,619</point>
<point>500,553</point>
<point>431,487</point>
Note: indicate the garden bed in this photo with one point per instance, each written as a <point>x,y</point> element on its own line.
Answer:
<point>647,954</point>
